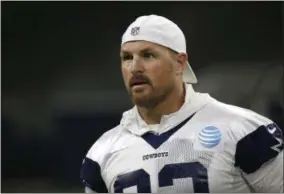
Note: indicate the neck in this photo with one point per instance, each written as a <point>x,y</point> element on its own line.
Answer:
<point>171,104</point>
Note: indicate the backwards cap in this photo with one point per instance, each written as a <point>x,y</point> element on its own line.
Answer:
<point>162,31</point>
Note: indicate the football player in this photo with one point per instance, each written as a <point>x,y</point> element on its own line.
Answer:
<point>175,139</point>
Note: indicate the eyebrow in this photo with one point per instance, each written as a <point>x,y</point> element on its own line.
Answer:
<point>146,49</point>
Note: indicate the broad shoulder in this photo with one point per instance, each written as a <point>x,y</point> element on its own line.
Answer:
<point>239,121</point>
<point>102,147</point>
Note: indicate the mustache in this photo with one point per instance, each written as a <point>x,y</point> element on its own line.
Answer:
<point>139,78</point>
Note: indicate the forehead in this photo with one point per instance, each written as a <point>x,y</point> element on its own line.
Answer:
<point>137,46</point>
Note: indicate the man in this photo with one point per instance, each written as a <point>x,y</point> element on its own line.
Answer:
<point>175,139</point>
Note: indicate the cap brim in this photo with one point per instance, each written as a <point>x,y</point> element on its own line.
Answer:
<point>188,75</point>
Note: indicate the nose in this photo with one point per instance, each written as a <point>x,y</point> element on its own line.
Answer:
<point>137,65</point>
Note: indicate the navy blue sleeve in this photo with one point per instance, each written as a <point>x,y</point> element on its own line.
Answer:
<point>258,147</point>
<point>91,176</point>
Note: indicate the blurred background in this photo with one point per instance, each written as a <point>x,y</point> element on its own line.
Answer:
<point>62,86</point>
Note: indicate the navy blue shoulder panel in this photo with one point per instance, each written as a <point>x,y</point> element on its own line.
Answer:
<point>258,147</point>
<point>91,176</point>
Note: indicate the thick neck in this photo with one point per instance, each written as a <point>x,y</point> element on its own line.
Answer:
<point>170,105</point>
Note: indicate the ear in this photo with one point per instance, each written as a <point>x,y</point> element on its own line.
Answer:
<point>181,62</point>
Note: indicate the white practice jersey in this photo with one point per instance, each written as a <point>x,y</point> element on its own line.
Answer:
<point>206,146</point>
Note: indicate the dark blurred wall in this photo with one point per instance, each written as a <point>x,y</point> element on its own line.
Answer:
<point>62,85</point>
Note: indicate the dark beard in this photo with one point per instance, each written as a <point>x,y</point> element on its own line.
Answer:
<point>153,100</point>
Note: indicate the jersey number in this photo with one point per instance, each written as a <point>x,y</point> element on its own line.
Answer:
<point>141,179</point>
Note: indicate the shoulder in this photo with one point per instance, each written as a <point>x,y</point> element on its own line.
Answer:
<point>110,141</point>
<point>93,163</point>
<point>256,140</point>
<point>239,121</point>
<point>102,147</point>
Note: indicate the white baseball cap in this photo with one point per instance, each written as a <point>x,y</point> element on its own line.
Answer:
<point>162,31</point>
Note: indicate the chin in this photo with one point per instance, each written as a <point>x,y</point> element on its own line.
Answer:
<point>142,100</point>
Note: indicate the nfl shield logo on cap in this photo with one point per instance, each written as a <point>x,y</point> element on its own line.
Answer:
<point>135,31</point>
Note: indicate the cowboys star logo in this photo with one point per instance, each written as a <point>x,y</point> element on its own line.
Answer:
<point>135,31</point>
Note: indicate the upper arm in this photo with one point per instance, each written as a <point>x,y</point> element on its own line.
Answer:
<point>259,155</point>
<point>91,176</point>
<point>93,165</point>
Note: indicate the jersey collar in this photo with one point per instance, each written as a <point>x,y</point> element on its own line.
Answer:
<point>132,121</point>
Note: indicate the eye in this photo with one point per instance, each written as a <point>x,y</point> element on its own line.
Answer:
<point>126,57</point>
<point>148,55</point>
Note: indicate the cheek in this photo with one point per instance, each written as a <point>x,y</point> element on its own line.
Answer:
<point>159,73</point>
<point>125,74</point>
